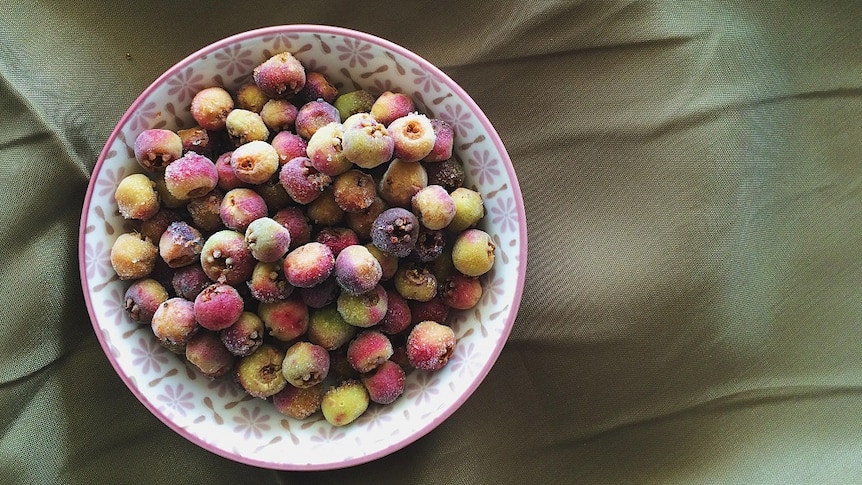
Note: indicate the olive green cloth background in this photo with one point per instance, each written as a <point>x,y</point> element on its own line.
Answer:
<point>691,174</point>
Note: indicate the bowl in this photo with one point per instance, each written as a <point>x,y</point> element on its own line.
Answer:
<point>216,414</point>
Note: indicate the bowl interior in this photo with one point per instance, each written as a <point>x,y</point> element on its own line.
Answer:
<point>217,415</point>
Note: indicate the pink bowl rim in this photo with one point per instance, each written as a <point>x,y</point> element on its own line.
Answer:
<point>474,108</point>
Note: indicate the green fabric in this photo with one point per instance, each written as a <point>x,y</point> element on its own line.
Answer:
<point>693,304</point>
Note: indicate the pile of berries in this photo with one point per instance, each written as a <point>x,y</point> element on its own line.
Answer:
<point>310,244</point>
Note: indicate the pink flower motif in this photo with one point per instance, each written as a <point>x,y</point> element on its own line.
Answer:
<point>484,166</point>
<point>326,434</point>
<point>251,422</point>
<point>144,116</point>
<point>279,40</point>
<point>458,118</point>
<point>312,66</point>
<point>149,355</point>
<point>504,214</point>
<point>354,51</point>
<point>107,183</point>
<point>224,387</point>
<point>465,361</point>
<point>233,59</point>
<point>381,86</point>
<point>98,257</point>
<point>114,308</point>
<point>423,388</point>
<point>177,399</point>
<point>185,83</point>
<point>375,417</point>
<point>426,80</point>
<point>493,288</point>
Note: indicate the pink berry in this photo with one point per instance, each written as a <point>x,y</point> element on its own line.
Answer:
<point>357,270</point>
<point>461,292</point>
<point>218,306</point>
<point>398,316</point>
<point>240,207</point>
<point>285,320</point>
<point>385,383</point>
<point>368,350</point>
<point>190,176</point>
<point>430,345</point>
<point>208,354</point>
<point>390,106</point>
<point>337,238</point>
<point>280,76</point>
<point>227,178</point>
<point>189,281</point>
<point>309,265</point>
<point>143,298</point>
<point>226,258</point>
<point>293,219</point>
<point>289,146</point>
<point>443,141</point>
<point>314,115</point>
<point>210,107</point>
<point>155,149</point>
<point>302,181</point>
<point>174,323</point>
<point>434,309</point>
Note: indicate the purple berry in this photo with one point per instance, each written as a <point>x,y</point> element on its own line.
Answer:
<point>395,231</point>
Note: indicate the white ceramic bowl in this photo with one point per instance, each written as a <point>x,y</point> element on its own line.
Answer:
<point>216,415</point>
